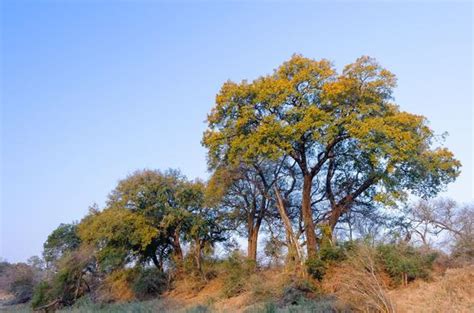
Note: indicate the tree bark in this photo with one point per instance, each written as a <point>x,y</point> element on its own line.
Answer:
<point>311,240</point>
<point>198,255</point>
<point>293,245</point>
<point>253,241</point>
<point>178,252</point>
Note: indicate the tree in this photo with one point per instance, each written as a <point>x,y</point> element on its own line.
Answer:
<point>428,218</point>
<point>147,217</point>
<point>119,235</point>
<point>245,199</point>
<point>62,240</point>
<point>344,133</point>
<point>19,279</point>
<point>203,226</point>
<point>74,277</point>
<point>155,196</point>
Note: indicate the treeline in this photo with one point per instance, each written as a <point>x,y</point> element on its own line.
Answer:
<point>313,158</point>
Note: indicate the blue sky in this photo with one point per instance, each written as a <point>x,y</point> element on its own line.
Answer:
<point>92,90</point>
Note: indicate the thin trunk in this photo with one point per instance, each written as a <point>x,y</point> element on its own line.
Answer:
<point>156,262</point>
<point>311,240</point>
<point>198,255</point>
<point>293,245</point>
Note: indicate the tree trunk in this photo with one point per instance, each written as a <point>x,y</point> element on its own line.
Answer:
<point>253,242</point>
<point>156,262</point>
<point>335,215</point>
<point>293,245</point>
<point>178,252</point>
<point>311,240</point>
<point>198,255</point>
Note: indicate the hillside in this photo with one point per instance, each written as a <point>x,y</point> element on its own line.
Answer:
<point>448,292</point>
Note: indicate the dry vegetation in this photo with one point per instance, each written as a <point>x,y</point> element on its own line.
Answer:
<point>451,292</point>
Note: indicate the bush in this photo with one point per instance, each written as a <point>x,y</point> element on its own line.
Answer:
<point>316,268</point>
<point>149,282</point>
<point>405,263</point>
<point>69,283</point>
<point>328,255</point>
<point>41,294</point>
<point>22,289</point>
<point>18,279</point>
<point>238,270</point>
<point>117,286</point>
<point>297,292</point>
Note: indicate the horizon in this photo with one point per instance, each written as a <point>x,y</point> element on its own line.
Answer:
<point>92,92</point>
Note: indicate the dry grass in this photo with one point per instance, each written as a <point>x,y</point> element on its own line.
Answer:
<point>453,292</point>
<point>261,286</point>
<point>360,283</point>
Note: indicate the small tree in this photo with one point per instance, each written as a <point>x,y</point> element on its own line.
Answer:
<point>62,240</point>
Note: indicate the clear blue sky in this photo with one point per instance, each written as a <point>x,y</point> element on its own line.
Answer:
<point>92,90</point>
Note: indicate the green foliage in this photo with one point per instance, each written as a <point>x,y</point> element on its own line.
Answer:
<point>62,240</point>
<point>334,253</point>
<point>328,255</point>
<point>342,129</point>
<point>149,282</point>
<point>70,282</point>
<point>316,267</point>
<point>146,217</point>
<point>41,294</point>
<point>404,259</point>
<point>237,269</point>
<point>118,233</point>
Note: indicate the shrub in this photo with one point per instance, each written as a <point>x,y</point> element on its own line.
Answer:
<point>149,282</point>
<point>69,283</point>
<point>297,292</point>
<point>316,268</point>
<point>328,255</point>
<point>405,263</point>
<point>22,289</point>
<point>117,286</point>
<point>336,253</point>
<point>41,294</point>
<point>237,270</point>
<point>19,279</point>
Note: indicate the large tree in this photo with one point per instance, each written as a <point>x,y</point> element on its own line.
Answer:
<point>342,130</point>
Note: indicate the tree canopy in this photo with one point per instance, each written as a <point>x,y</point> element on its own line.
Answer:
<point>343,130</point>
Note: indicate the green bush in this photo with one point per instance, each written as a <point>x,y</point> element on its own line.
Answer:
<point>316,268</point>
<point>149,282</point>
<point>69,283</point>
<point>402,259</point>
<point>237,269</point>
<point>330,254</point>
<point>41,294</point>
